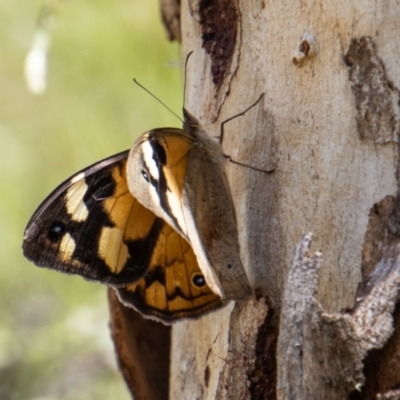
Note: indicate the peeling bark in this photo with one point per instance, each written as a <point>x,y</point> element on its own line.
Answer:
<point>377,99</point>
<point>219,22</point>
<point>375,237</point>
<point>217,25</point>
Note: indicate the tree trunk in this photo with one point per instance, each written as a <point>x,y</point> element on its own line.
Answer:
<point>321,156</point>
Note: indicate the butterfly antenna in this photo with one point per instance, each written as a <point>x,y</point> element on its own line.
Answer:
<point>155,97</point>
<point>221,136</point>
<point>184,83</point>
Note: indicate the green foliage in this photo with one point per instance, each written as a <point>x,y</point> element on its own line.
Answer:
<point>54,335</point>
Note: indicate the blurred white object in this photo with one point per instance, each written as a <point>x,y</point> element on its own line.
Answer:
<point>36,63</point>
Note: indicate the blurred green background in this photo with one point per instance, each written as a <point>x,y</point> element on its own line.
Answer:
<point>54,335</point>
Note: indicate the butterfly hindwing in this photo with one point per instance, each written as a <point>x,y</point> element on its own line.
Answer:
<point>174,287</point>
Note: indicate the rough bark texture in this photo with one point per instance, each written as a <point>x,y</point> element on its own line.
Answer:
<point>323,145</point>
<point>321,353</point>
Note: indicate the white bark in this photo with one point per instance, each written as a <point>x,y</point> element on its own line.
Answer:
<point>323,172</point>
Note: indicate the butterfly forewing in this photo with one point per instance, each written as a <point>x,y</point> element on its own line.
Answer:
<point>89,226</point>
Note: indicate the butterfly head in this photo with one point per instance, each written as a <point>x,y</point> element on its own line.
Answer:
<point>191,123</point>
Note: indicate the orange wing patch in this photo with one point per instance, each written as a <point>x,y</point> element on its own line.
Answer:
<point>174,287</point>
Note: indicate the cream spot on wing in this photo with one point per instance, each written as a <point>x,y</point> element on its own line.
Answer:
<point>76,208</point>
<point>112,249</point>
<point>148,153</point>
<point>78,177</point>
<point>67,247</point>
<point>175,204</point>
<point>157,209</point>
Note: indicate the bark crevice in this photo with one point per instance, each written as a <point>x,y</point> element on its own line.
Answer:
<point>377,99</point>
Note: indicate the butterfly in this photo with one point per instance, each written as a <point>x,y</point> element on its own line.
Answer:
<point>156,223</point>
